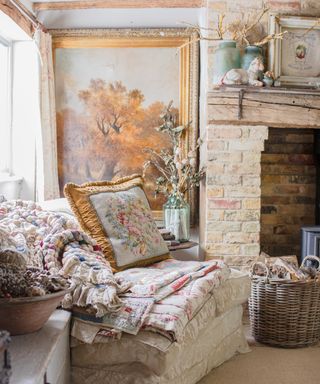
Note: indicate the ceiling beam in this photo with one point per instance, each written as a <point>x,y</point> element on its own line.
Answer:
<point>86,4</point>
<point>24,20</point>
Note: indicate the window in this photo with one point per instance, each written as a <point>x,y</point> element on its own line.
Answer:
<point>5,106</point>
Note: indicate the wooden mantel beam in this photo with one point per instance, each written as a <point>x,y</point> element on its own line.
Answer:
<point>272,107</point>
<point>86,4</point>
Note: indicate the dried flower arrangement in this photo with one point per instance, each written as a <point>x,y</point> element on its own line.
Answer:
<point>179,173</point>
<point>244,30</point>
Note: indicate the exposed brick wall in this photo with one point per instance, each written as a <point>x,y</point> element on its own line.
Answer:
<point>233,192</point>
<point>233,185</point>
<point>287,189</point>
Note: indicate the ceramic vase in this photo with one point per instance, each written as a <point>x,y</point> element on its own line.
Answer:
<point>250,53</point>
<point>226,57</point>
<point>176,212</point>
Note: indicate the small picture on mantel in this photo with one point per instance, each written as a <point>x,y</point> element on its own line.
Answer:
<point>295,59</point>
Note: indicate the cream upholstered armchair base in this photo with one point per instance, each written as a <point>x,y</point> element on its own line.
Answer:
<point>211,337</point>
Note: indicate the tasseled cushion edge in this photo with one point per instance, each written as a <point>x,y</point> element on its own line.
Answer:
<point>78,197</point>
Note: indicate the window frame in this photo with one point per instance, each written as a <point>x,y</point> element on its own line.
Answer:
<point>9,45</point>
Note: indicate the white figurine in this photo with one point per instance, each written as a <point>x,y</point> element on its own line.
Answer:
<point>245,77</point>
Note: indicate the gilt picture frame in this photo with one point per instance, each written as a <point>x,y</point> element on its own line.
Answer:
<point>148,67</point>
<point>295,59</point>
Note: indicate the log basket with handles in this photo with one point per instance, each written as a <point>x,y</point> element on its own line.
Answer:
<point>285,313</point>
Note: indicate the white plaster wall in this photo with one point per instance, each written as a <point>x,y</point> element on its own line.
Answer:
<point>145,18</point>
<point>27,4</point>
<point>203,125</point>
<point>120,18</point>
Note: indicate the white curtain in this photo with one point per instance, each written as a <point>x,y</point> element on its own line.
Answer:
<point>47,186</point>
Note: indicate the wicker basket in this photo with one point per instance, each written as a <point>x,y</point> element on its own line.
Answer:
<point>285,314</point>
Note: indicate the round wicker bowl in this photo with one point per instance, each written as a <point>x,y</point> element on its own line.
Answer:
<point>28,314</point>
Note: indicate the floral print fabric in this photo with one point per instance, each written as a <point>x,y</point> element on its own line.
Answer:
<point>129,224</point>
<point>179,288</point>
<point>161,298</point>
<point>53,242</point>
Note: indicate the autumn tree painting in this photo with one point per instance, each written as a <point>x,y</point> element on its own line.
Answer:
<point>108,140</point>
<point>111,87</point>
<point>110,94</point>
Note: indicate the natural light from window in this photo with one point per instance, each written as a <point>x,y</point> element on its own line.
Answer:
<point>19,110</point>
<point>5,106</point>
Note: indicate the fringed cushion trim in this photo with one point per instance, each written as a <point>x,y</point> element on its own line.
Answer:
<point>79,199</point>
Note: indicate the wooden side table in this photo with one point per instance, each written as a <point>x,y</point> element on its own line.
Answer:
<point>189,250</point>
<point>185,245</point>
<point>43,357</point>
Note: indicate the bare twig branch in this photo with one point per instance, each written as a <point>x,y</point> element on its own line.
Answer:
<point>312,28</point>
<point>268,38</point>
<point>257,19</point>
<point>241,27</point>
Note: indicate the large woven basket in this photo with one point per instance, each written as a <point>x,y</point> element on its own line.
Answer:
<point>285,314</point>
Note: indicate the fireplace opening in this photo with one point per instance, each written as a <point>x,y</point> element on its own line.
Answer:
<point>288,189</point>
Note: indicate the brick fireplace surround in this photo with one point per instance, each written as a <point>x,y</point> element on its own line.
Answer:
<point>236,136</point>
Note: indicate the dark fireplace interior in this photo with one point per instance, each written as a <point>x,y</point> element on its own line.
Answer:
<point>289,193</point>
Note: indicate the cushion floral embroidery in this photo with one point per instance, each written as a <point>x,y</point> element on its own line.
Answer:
<point>132,223</point>
<point>117,215</point>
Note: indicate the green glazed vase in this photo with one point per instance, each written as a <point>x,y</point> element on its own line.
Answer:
<point>250,53</point>
<point>226,57</point>
<point>176,213</point>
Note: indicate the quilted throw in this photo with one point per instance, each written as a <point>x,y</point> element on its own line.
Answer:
<point>162,297</point>
<point>177,290</point>
<point>51,241</point>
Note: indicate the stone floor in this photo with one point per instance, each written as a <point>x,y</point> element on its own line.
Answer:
<point>267,365</point>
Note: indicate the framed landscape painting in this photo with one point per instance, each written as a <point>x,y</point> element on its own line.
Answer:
<point>111,88</point>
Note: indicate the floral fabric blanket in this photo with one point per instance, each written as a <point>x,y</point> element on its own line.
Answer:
<point>162,297</point>
<point>177,290</point>
<point>54,242</point>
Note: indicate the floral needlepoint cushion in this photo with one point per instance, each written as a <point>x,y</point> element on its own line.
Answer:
<point>118,216</point>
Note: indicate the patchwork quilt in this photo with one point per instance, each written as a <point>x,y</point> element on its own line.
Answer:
<point>179,289</point>
<point>162,297</point>
<point>54,242</point>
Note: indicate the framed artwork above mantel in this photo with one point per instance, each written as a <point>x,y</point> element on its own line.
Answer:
<point>295,59</point>
<point>111,87</point>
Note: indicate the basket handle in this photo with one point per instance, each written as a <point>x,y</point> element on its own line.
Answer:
<point>262,265</point>
<point>313,258</point>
